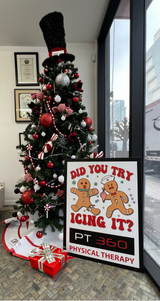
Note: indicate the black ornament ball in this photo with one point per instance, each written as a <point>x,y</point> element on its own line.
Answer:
<point>14,214</point>
<point>16,191</point>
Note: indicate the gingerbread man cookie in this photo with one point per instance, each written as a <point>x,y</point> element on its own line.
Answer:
<point>84,193</point>
<point>118,198</point>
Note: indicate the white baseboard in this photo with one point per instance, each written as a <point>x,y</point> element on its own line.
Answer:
<point>10,202</point>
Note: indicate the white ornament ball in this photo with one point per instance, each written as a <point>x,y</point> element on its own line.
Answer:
<point>43,134</point>
<point>38,100</point>
<point>57,98</point>
<point>63,162</point>
<point>44,88</point>
<point>63,118</point>
<point>30,136</point>
<point>60,236</point>
<point>20,152</point>
<point>19,214</point>
<point>38,168</point>
<point>30,166</point>
<point>89,138</point>
<point>61,179</point>
<point>73,157</point>
<point>33,126</point>
<point>32,221</point>
<point>54,176</point>
<point>83,124</point>
<point>36,187</point>
<point>94,137</point>
<point>22,189</point>
<point>80,111</point>
<point>62,79</point>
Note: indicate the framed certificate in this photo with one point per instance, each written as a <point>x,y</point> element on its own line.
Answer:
<point>21,139</point>
<point>22,98</point>
<point>26,68</point>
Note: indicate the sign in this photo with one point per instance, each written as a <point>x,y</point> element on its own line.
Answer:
<point>103,211</point>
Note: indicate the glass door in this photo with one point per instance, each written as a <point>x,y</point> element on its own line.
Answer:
<point>152,141</point>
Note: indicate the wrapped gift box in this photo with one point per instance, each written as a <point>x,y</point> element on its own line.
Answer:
<point>48,259</point>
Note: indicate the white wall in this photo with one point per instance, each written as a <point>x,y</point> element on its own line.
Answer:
<point>10,168</point>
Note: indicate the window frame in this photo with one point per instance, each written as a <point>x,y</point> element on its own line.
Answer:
<point>137,97</point>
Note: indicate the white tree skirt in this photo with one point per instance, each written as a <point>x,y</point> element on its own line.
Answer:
<point>19,238</point>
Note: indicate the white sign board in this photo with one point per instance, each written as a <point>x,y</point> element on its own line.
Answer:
<point>103,211</point>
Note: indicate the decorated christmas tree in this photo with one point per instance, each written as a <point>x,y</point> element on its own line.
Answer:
<point>59,129</point>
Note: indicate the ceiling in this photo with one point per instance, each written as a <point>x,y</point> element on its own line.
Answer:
<point>19,20</point>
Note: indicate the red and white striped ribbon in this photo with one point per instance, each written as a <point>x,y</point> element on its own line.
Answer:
<point>47,146</point>
<point>53,119</point>
<point>95,155</point>
<point>80,144</point>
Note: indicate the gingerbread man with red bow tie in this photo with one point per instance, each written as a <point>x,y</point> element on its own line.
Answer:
<point>118,198</point>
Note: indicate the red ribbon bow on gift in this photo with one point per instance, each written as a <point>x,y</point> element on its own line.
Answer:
<point>38,95</point>
<point>62,108</point>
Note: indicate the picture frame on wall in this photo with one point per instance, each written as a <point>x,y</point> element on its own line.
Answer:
<point>21,139</point>
<point>22,98</point>
<point>26,68</point>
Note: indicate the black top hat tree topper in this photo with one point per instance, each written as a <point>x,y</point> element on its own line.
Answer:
<point>54,35</point>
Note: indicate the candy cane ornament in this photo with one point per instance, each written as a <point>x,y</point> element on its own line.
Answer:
<point>80,144</point>
<point>46,207</point>
<point>29,147</point>
<point>47,146</point>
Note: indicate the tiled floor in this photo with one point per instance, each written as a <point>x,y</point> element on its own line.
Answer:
<point>79,279</point>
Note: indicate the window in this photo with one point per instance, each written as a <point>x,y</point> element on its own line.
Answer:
<point>117,69</point>
<point>152,133</point>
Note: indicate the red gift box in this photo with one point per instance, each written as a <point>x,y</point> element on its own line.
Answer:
<point>40,258</point>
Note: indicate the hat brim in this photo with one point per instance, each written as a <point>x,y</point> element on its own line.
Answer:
<point>67,57</point>
<point>50,61</point>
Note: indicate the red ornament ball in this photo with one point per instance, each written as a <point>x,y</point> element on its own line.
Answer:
<point>42,183</point>
<point>50,165</point>
<point>40,80</point>
<point>87,120</point>
<point>76,75</point>
<point>48,86</point>
<point>90,128</point>
<point>46,120</point>
<point>31,201</point>
<point>23,219</point>
<point>49,98</point>
<point>75,99</point>
<point>35,136</point>
<point>26,197</point>
<point>26,158</point>
<point>39,234</point>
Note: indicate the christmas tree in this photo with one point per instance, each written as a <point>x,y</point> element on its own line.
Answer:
<point>59,129</point>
